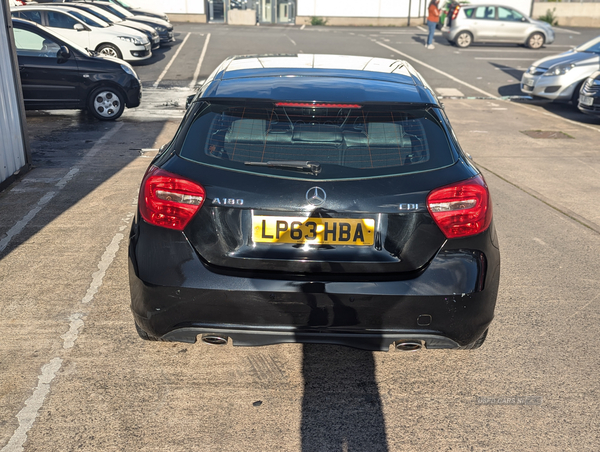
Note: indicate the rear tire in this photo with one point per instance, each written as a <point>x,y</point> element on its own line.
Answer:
<point>106,103</point>
<point>479,342</point>
<point>110,50</point>
<point>463,40</point>
<point>535,41</point>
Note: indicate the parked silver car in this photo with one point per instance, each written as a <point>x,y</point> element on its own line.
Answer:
<point>494,23</point>
<point>560,77</point>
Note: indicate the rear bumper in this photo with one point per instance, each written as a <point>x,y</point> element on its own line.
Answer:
<point>174,296</point>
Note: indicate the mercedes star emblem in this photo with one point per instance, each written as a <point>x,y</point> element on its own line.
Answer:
<point>316,196</point>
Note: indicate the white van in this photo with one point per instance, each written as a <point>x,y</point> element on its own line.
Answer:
<point>88,31</point>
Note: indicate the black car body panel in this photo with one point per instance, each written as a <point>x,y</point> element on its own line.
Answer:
<point>162,27</point>
<point>51,83</point>
<point>590,94</point>
<point>244,139</point>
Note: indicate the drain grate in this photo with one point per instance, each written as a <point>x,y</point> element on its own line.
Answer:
<point>546,134</point>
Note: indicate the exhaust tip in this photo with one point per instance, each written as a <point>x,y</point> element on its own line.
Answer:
<point>408,346</point>
<point>215,339</point>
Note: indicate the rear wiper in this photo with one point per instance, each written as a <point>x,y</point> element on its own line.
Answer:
<point>294,165</point>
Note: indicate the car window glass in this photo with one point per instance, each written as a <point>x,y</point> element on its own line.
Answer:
<point>88,20</point>
<point>104,15</point>
<point>29,43</point>
<point>469,12</point>
<point>118,10</point>
<point>485,13</point>
<point>347,142</point>
<point>592,46</point>
<point>509,14</point>
<point>34,16</point>
<point>123,3</point>
<point>60,20</point>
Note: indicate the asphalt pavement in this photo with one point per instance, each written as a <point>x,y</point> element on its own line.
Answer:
<point>75,376</point>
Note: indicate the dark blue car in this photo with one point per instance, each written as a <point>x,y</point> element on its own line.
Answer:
<point>314,199</point>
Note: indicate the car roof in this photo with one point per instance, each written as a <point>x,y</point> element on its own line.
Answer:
<point>331,78</point>
<point>18,20</point>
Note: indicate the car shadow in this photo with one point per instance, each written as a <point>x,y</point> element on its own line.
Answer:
<point>58,141</point>
<point>437,40</point>
<point>513,89</point>
<point>341,407</point>
<point>157,55</point>
<point>565,110</point>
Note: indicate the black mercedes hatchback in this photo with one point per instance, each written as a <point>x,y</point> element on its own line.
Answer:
<point>314,199</point>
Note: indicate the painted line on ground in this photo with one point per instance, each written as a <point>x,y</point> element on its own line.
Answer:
<point>566,30</point>
<point>506,51</point>
<point>423,29</point>
<point>303,27</point>
<point>47,197</point>
<point>30,412</point>
<point>445,74</point>
<point>197,71</point>
<point>293,42</point>
<point>586,126</point>
<point>164,72</point>
<point>509,59</point>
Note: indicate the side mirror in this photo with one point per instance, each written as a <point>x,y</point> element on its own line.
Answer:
<point>63,54</point>
<point>78,27</point>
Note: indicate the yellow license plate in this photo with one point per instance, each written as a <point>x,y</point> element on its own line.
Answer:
<point>326,231</point>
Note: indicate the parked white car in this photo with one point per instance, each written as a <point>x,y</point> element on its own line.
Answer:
<point>88,31</point>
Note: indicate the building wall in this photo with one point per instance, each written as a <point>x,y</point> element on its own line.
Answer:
<point>380,12</point>
<point>183,7</point>
<point>13,150</point>
<point>571,14</point>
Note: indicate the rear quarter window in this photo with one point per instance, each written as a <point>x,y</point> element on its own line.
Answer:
<point>346,142</point>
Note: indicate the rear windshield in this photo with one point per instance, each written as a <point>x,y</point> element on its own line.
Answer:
<point>345,141</point>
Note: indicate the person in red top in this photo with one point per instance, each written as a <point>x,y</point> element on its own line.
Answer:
<point>432,20</point>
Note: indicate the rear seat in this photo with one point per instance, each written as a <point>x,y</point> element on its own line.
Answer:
<point>384,144</point>
<point>248,139</point>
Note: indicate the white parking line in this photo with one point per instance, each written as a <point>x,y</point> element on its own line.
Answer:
<point>423,29</point>
<point>566,30</point>
<point>20,225</point>
<point>29,413</point>
<point>510,59</point>
<point>445,74</point>
<point>197,71</point>
<point>303,27</point>
<point>161,76</point>
<point>506,50</point>
<point>293,42</point>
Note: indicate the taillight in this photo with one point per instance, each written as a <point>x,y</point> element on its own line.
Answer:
<point>455,12</point>
<point>168,200</point>
<point>461,209</point>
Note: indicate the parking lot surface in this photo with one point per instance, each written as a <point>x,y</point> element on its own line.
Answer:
<point>75,376</point>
